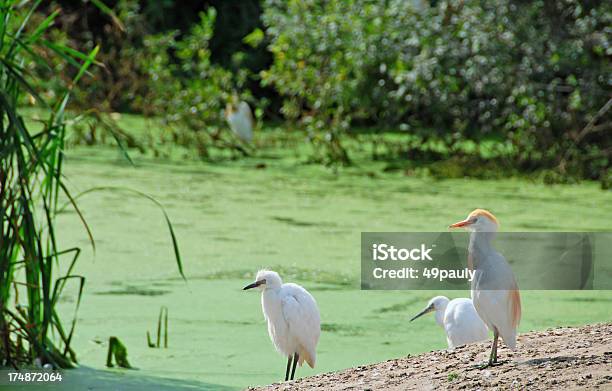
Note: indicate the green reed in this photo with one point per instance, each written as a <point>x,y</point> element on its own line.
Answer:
<point>30,186</point>
<point>34,270</point>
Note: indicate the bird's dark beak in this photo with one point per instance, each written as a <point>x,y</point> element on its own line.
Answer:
<point>462,223</point>
<point>254,285</point>
<point>425,311</point>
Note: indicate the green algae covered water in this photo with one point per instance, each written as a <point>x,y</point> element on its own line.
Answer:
<point>234,218</point>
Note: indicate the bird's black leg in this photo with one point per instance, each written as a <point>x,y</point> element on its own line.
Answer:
<point>493,357</point>
<point>296,358</point>
<point>288,366</point>
<point>495,346</point>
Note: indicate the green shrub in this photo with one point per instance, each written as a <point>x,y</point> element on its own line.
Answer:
<point>189,92</point>
<point>532,73</point>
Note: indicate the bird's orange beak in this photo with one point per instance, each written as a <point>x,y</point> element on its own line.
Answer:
<point>460,224</point>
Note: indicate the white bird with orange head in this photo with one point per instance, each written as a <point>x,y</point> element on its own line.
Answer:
<point>458,318</point>
<point>494,290</point>
<point>294,323</point>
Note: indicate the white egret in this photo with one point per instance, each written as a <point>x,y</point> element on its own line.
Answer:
<point>458,318</point>
<point>294,323</point>
<point>494,290</point>
<point>240,119</point>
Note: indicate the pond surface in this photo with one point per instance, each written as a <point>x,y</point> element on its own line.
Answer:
<point>232,219</point>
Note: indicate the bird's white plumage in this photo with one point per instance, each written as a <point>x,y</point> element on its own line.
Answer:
<point>489,305</point>
<point>462,323</point>
<point>294,323</point>
<point>459,319</point>
<point>240,121</point>
<point>494,290</point>
<point>302,316</point>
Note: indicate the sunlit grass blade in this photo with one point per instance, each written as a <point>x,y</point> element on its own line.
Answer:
<point>92,241</point>
<point>66,53</point>
<point>107,10</point>
<point>42,27</point>
<point>81,280</point>
<point>177,254</point>
<point>17,72</point>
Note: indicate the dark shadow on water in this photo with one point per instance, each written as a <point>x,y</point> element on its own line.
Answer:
<point>298,223</point>
<point>85,378</point>
<point>588,299</point>
<point>342,329</point>
<point>224,239</point>
<point>136,291</point>
<point>327,288</point>
<point>399,307</point>
<point>325,279</point>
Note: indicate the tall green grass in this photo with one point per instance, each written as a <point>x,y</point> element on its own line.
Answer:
<point>34,270</point>
<point>31,185</point>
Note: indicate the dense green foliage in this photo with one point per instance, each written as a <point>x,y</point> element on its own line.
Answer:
<point>531,74</point>
<point>123,81</point>
<point>534,77</point>
<point>188,94</point>
<point>150,68</point>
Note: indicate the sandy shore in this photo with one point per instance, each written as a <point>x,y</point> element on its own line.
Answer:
<point>568,358</point>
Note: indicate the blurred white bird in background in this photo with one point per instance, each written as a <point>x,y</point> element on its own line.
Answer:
<point>458,318</point>
<point>293,318</point>
<point>240,119</point>
<point>494,290</point>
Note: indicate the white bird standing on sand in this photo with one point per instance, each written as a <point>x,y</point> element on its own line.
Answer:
<point>458,318</point>
<point>294,323</point>
<point>240,120</point>
<point>494,290</point>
